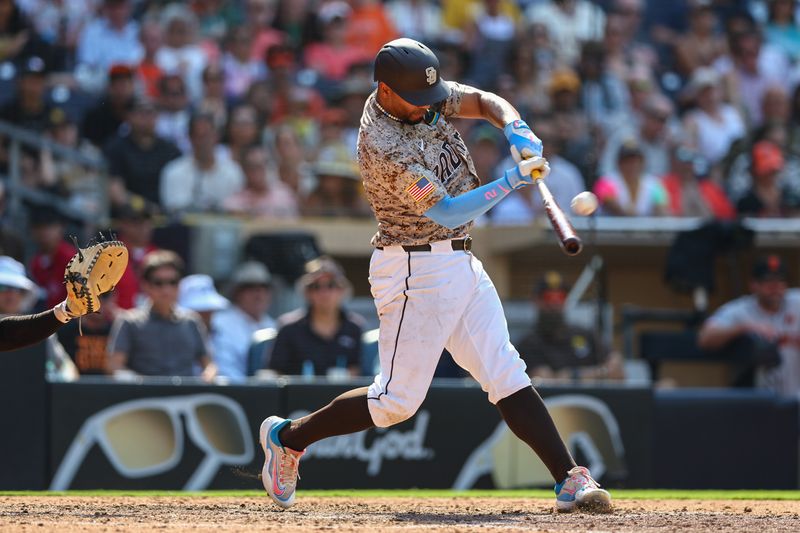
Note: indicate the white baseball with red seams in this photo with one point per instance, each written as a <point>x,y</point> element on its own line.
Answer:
<point>427,300</point>
<point>584,203</point>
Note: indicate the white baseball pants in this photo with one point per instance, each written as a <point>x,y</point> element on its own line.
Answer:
<point>428,301</point>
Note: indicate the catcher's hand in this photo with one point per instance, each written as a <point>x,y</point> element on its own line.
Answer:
<point>93,271</point>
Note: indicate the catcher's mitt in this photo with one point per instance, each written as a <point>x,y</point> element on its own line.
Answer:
<point>92,271</point>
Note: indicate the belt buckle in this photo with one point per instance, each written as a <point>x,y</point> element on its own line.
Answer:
<point>467,243</point>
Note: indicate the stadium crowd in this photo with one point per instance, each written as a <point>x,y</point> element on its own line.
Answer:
<point>251,108</point>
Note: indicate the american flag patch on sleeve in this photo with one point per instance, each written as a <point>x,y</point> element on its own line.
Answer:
<point>420,189</point>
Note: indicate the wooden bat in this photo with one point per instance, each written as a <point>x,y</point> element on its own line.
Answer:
<point>570,242</point>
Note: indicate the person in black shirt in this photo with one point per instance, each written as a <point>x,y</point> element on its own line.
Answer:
<point>29,109</point>
<point>136,158</point>
<point>103,121</point>
<point>322,336</point>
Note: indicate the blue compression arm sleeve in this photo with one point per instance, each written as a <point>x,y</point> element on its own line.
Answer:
<point>453,212</point>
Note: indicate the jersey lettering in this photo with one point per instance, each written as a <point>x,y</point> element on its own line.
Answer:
<point>448,162</point>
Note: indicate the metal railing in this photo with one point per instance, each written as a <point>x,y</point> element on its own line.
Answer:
<point>17,192</point>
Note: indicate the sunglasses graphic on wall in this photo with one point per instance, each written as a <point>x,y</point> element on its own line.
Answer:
<point>145,437</point>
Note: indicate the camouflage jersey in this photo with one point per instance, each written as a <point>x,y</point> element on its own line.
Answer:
<point>408,168</point>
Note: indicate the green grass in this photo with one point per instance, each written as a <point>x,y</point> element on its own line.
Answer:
<point>427,493</point>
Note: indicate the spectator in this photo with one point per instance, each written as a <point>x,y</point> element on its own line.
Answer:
<point>17,294</point>
<point>692,193</point>
<point>174,112</point>
<point>749,75</point>
<point>624,55</point>
<point>700,45</point>
<point>782,30</point>
<point>571,22</point>
<point>148,71</point>
<point>52,253</point>
<point>29,109</point>
<point>339,192</point>
<point>137,156</point>
<point>181,53</point>
<point>79,184</point>
<point>711,126</point>
<point>484,143</point>
<point>243,130</point>
<point>293,168</point>
<point>631,192</point>
<point>490,39</point>
<point>603,96</point>
<point>564,181</point>
<point>103,121</point>
<point>530,65</point>
<point>332,57</point>
<point>10,242</point>
<point>251,296</point>
<point>290,101</point>
<point>21,38</point>
<point>264,195</point>
<point>239,68</point>
<point>135,227</point>
<point>416,19</point>
<point>369,26</point>
<point>159,339</point>
<point>85,341</point>
<point>653,133</point>
<point>259,95</point>
<point>553,348</point>
<point>579,138</point>
<point>768,196</point>
<point>197,293</point>
<point>761,326</point>
<point>214,101</point>
<point>202,180</point>
<point>323,335</point>
<point>260,16</point>
<point>111,39</point>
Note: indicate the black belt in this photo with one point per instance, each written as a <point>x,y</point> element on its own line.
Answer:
<point>457,244</point>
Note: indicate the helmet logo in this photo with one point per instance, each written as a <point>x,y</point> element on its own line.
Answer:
<point>431,75</point>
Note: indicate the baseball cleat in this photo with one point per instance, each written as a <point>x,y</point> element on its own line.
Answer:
<point>580,491</point>
<point>280,472</point>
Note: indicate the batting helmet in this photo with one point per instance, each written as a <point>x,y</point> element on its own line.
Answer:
<point>411,70</point>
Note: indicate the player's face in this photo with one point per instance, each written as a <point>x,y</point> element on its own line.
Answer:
<point>406,111</point>
<point>770,293</point>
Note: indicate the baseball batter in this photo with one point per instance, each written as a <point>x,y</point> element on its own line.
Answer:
<point>430,291</point>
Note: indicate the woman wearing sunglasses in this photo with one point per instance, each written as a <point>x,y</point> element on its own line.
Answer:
<point>322,336</point>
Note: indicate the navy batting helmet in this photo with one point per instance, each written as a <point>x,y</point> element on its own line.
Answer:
<point>411,70</point>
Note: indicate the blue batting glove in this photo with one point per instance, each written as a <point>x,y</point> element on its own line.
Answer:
<point>522,174</point>
<point>524,143</point>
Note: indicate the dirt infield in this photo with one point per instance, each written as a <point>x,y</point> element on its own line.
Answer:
<point>115,513</point>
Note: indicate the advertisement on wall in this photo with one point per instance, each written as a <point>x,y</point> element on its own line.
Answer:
<point>196,437</point>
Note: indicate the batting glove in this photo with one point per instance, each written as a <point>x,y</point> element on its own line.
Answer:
<point>522,174</point>
<point>524,143</point>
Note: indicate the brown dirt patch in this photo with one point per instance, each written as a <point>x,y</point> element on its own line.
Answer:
<point>114,513</point>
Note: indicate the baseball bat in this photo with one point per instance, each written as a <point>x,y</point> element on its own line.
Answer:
<point>570,242</point>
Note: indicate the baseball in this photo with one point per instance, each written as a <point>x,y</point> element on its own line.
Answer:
<point>584,203</point>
